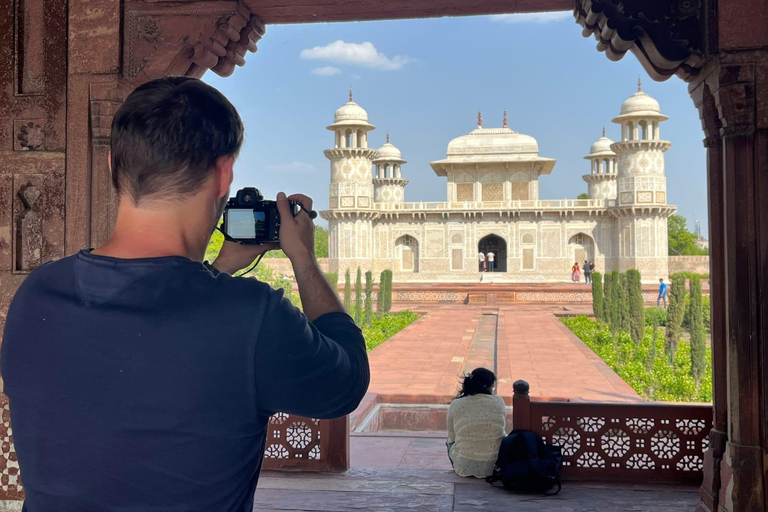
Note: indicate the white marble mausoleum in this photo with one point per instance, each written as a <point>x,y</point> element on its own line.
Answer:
<point>492,204</point>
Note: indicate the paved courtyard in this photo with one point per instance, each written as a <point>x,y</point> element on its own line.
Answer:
<point>422,363</point>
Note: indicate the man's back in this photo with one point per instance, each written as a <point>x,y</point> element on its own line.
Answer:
<point>147,384</point>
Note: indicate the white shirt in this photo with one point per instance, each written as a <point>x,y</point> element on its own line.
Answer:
<point>476,426</point>
<point>481,256</point>
<point>490,256</point>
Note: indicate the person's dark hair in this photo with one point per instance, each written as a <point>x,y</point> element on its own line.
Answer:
<point>479,381</point>
<point>167,136</point>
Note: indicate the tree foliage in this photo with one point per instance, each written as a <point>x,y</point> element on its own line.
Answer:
<point>385,292</point>
<point>607,300</point>
<point>698,345</point>
<point>675,310</point>
<point>583,195</point>
<point>321,242</point>
<point>681,241</point>
<point>636,305</point>
<point>359,298</point>
<point>368,297</point>
<point>597,295</point>
<point>347,292</point>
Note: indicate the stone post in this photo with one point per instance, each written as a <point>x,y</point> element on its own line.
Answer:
<point>521,406</point>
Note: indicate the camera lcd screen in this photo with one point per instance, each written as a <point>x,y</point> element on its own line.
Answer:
<point>246,223</point>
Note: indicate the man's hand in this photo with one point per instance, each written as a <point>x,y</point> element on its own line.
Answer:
<point>234,256</point>
<point>297,234</point>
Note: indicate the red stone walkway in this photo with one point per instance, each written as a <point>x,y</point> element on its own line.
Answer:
<point>422,363</point>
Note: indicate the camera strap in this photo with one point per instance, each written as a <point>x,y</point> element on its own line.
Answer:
<point>230,239</point>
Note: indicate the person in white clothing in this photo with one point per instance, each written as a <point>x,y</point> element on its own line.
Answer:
<point>476,425</point>
<point>481,260</point>
<point>491,258</point>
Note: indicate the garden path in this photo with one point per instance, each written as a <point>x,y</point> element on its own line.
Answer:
<point>422,363</point>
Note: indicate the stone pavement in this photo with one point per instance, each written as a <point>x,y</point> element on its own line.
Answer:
<point>422,363</point>
<point>411,488</point>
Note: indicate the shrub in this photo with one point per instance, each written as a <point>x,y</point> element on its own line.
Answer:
<point>385,326</point>
<point>676,298</point>
<point>636,306</point>
<point>658,315</point>
<point>597,295</point>
<point>347,292</point>
<point>368,297</point>
<point>698,345</point>
<point>359,298</point>
<point>652,377</point>
<point>706,311</point>
<point>615,301</point>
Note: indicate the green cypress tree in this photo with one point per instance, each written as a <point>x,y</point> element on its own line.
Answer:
<point>359,298</point>
<point>675,311</point>
<point>347,292</point>
<point>368,298</point>
<point>698,345</point>
<point>382,291</point>
<point>607,288</point>
<point>616,320</point>
<point>636,306</point>
<point>388,292</point>
<point>624,320</point>
<point>597,295</point>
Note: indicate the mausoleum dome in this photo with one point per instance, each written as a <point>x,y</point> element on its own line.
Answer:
<point>492,141</point>
<point>640,105</point>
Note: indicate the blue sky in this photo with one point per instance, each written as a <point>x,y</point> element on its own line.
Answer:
<point>425,80</point>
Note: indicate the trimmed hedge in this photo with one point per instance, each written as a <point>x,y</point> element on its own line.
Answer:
<point>597,296</point>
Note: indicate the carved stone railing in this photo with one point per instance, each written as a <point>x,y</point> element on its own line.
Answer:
<point>621,441</point>
<point>556,204</point>
<point>306,444</point>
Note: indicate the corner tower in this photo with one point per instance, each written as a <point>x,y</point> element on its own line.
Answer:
<point>641,205</point>
<point>388,182</point>
<point>603,166</point>
<point>350,230</point>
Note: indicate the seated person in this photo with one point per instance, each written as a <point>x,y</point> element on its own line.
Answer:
<point>476,422</point>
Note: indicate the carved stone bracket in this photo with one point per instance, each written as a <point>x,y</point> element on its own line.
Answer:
<point>162,39</point>
<point>668,37</point>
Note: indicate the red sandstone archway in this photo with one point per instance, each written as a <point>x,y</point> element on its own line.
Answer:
<point>63,80</point>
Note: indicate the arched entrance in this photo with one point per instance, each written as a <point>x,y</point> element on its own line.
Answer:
<point>581,248</point>
<point>496,245</point>
<point>407,253</point>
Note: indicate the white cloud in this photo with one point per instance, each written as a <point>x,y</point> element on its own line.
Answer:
<point>326,71</point>
<point>357,54</point>
<point>532,17</point>
<point>292,167</point>
<point>355,76</point>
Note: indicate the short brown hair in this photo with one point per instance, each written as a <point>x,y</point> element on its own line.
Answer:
<point>167,136</point>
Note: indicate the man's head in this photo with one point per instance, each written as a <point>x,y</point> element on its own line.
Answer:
<point>661,280</point>
<point>171,137</point>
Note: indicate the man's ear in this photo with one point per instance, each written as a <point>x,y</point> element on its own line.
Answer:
<point>224,173</point>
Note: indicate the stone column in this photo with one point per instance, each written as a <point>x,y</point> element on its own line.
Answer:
<point>738,82</point>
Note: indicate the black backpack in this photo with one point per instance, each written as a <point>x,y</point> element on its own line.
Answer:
<point>526,464</point>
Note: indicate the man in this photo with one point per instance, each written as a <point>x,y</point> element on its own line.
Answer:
<point>481,259</point>
<point>491,258</point>
<point>662,293</point>
<point>138,378</point>
<point>587,272</point>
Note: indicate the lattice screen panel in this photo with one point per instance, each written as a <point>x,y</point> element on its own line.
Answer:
<point>528,262</point>
<point>464,192</point>
<point>295,441</point>
<point>493,192</point>
<point>520,192</point>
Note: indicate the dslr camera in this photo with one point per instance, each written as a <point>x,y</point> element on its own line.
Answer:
<point>250,219</point>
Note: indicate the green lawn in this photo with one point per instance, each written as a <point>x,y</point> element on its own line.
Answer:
<point>646,367</point>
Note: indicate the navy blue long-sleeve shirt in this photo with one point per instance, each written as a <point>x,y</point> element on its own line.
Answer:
<point>147,384</point>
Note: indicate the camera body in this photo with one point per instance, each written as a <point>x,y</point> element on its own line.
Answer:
<point>250,219</point>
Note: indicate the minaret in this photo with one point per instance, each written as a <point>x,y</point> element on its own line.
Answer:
<point>641,206</point>
<point>351,190</point>
<point>603,166</point>
<point>388,182</point>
